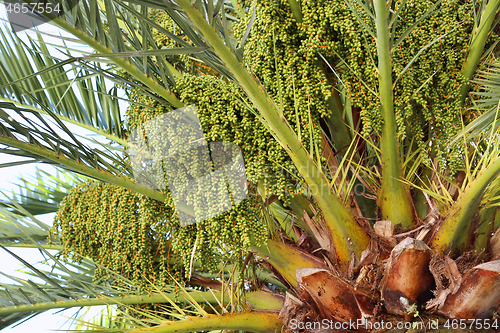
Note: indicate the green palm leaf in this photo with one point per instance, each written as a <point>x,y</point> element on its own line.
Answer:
<point>43,193</point>
<point>41,80</point>
<point>16,230</point>
<point>63,285</point>
<point>37,139</point>
<point>488,94</point>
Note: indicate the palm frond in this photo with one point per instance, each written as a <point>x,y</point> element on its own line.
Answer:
<point>488,94</point>
<point>43,192</point>
<point>60,284</point>
<point>130,29</point>
<point>33,78</point>
<point>34,137</point>
<point>19,230</point>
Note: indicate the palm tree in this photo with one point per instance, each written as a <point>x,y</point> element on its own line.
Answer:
<point>327,98</point>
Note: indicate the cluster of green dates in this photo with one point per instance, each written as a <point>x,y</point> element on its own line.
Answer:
<point>120,230</point>
<point>426,66</point>
<point>283,55</point>
<point>141,239</point>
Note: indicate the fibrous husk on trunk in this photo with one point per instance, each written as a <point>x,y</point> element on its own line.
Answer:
<point>334,298</point>
<point>447,277</point>
<point>294,310</point>
<point>385,229</point>
<point>478,295</point>
<point>495,245</point>
<point>381,244</point>
<point>407,279</point>
<point>321,233</point>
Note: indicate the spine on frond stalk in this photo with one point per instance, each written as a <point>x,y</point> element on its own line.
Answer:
<point>259,300</point>
<point>253,321</point>
<point>454,233</point>
<point>394,198</point>
<point>286,259</point>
